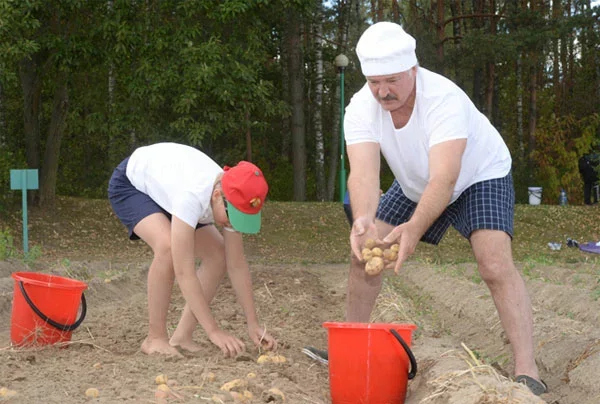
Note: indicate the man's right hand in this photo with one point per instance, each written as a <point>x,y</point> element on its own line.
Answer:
<point>229,345</point>
<point>363,228</point>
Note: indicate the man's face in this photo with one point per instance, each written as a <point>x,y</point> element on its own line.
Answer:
<point>392,90</point>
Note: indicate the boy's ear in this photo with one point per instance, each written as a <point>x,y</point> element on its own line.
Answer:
<point>217,192</point>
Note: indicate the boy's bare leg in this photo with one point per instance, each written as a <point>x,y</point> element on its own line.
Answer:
<point>210,249</point>
<point>155,230</point>
<point>493,253</point>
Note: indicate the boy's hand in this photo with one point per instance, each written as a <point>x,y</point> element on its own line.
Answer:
<point>261,338</point>
<point>230,345</point>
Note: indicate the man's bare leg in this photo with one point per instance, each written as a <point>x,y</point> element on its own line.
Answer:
<point>155,230</point>
<point>493,253</point>
<point>363,289</point>
<point>210,249</point>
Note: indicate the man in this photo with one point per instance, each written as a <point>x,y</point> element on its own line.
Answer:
<point>588,169</point>
<point>451,167</point>
<point>171,196</point>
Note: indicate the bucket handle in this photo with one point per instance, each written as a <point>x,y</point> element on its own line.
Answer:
<point>411,357</point>
<point>62,327</point>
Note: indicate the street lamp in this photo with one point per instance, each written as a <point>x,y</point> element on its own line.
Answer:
<point>341,61</point>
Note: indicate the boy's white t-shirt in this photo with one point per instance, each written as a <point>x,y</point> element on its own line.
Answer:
<point>442,112</point>
<point>179,178</point>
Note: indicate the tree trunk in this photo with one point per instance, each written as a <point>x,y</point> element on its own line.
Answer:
<point>490,70</point>
<point>317,116</point>
<point>520,129</point>
<point>455,10</point>
<point>441,35</point>
<point>295,67</point>
<point>32,100</point>
<point>2,121</point>
<point>56,130</point>
<point>248,138</point>
<point>334,154</point>
<point>532,114</point>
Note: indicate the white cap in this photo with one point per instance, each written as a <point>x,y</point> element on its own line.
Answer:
<point>385,48</point>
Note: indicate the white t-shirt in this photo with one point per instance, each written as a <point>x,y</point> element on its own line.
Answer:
<point>179,178</point>
<point>442,112</point>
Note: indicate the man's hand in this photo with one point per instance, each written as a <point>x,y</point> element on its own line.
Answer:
<point>407,239</point>
<point>229,345</point>
<point>363,228</point>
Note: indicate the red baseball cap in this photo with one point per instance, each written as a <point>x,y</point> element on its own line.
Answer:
<point>245,190</point>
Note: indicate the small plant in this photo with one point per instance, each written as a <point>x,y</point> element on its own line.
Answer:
<point>6,245</point>
<point>33,254</point>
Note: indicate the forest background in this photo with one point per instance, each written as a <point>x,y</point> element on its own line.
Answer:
<point>83,83</point>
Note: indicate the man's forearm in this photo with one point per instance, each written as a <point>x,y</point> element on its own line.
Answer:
<point>433,202</point>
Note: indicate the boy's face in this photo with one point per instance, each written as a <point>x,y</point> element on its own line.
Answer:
<point>219,207</point>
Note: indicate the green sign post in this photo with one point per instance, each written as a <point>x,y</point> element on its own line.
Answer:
<point>24,180</point>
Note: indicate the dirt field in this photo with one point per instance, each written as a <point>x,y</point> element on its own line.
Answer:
<point>462,354</point>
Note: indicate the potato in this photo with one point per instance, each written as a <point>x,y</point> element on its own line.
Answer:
<point>370,243</point>
<point>7,393</point>
<point>209,377</point>
<point>367,254</point>
<point>390,255</point>
<point>92,392</point>
<point>239,397</point>
<point>395,247</point>
<point>234,384</point>
<point>377,252</point>
<point>274,394</point>
<point>161,379</point>
<point>271,357</point>
<point>374,266</point>
<point>161,394</point>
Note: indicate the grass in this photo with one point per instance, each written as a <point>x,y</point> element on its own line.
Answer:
<point>301,233</point>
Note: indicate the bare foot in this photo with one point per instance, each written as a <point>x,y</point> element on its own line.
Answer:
<point>187,345</point>
<point>159,346</point>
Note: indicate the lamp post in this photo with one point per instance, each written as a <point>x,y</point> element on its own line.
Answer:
<point>341,61</point>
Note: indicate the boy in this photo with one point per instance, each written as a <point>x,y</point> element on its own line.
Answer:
<point>171,196</point>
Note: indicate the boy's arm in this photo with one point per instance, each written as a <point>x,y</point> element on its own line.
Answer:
<point>239,274</point>
<point>184,263</point>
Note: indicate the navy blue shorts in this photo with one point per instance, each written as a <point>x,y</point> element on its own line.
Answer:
<point>129,204</point>
<point>487,205</point>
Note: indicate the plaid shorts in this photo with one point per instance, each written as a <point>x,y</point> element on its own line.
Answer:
<point>487,205</point>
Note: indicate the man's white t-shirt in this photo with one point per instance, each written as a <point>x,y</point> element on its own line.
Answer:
<point>179,178</point>
<point>442,112</point>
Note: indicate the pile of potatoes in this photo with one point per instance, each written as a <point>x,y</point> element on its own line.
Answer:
<point>375,258</point>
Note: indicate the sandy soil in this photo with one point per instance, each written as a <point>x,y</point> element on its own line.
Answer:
<point>462,354</point>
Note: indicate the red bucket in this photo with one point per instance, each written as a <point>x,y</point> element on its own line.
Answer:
<point>369,363</point>
<point>44,308</point>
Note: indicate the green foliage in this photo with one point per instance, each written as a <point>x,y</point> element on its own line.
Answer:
<point>8,161</point>
<point>7,249</point>
<point>560,143</point>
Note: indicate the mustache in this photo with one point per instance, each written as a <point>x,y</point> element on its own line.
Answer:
<point>388,97</point>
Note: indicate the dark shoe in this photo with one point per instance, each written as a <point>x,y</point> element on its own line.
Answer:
<point>572,243</point>
<point>536,387</point>
<point>316,354</point>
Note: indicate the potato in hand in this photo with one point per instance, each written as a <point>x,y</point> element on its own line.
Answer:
<point>377,259</point>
